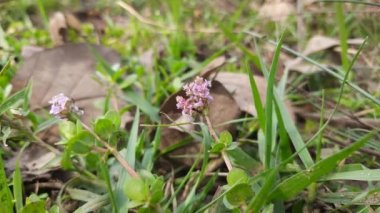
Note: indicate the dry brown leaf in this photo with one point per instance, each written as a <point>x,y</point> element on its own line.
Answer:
<point>60,22</point>
<point>222,109</point>
<point>68,69</point>
<point>28,51</point>
<point>240,88</point>
<point>35,161</point>
<point>212,66</point>
<point>277,10</point>
<point>58,28</point>
<point>316,44</point>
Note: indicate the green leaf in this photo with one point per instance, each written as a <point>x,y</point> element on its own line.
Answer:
<point>225,138</point>
<point>239,194</point>
<point>269,107</point>
<point>11,101</point>
<point>104,128</point>
<point>114,117</point>
<point>129,154</point>
<point>289,125</point>
<point>81,143</point>
<point>298,182</point>
<point>262,196</point>
<point>217,147</point>
<point>67,129</point>
<point>157,190</point>
<point>256,98</point>
<point>34,207</point>
<point>237,175</point>
<point>5,194</point>
<point>143,104</point>
<point>361,175</point>
<point>17,187</point>
<point>136,189</point>
<point>241,159</point>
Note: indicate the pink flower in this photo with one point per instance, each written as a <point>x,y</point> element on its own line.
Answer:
<point>62,106</point>
<point>198,93</point>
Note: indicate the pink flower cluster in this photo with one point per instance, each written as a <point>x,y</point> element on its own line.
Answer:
<point>62,106</point>
<point>198,93</point>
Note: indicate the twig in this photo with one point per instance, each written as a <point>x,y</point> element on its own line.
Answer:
<point>114,152</point>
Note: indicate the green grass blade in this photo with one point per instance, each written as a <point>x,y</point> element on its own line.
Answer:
<point>150,153</point>
<point>17,181</point>
<point>17,187</point>
<point>5,194</point>
<point>5,67</point>
<point>360,175</point>
<point>11,101</point>
<point>133,140</point>
<point>130,156</point>
<point>206,144</point>
<point>261,197</point>
<point>143,104</point>
<point>289,125</point>
<point>256,98</point>
<point>105,174</point>
<point>41,8</point>
<point>298,182</point>
<point>269,106</point>
<point>342,35</point>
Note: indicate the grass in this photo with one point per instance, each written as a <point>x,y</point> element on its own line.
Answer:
<point>279,164</point>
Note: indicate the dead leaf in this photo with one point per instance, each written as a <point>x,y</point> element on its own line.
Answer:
<point>58,28</point>
<point>212,66</point>
<point>35,162</point>
<point>240,88</point>
<point>277,10</point>
<point>222,109</point>
<point>316,44</point>
<point>68,69</point>
<point>28,51</point>
<point>60,22</point>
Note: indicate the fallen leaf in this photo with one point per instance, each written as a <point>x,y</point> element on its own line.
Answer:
<point>68,69</point>
<point>60,22</point>
<point>213,66</point>
<point>316,44</point>
<point>28,51</point>
<point>222,109</point>
<point>240,89</point>
<point>35,162</point>
<point>58,28</point>
<point>277,10</point>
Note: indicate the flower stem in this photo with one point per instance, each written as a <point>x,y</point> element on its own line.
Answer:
<point>216,139</point>
<point>114,152</point>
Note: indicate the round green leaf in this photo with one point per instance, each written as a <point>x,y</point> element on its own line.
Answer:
<point>217,147</point>
<point>136,189</point>
<point>114,117</point>
<point>237,175</point>
<point>225,138</point>
<point>104,128</point>
<point>239,194</point>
